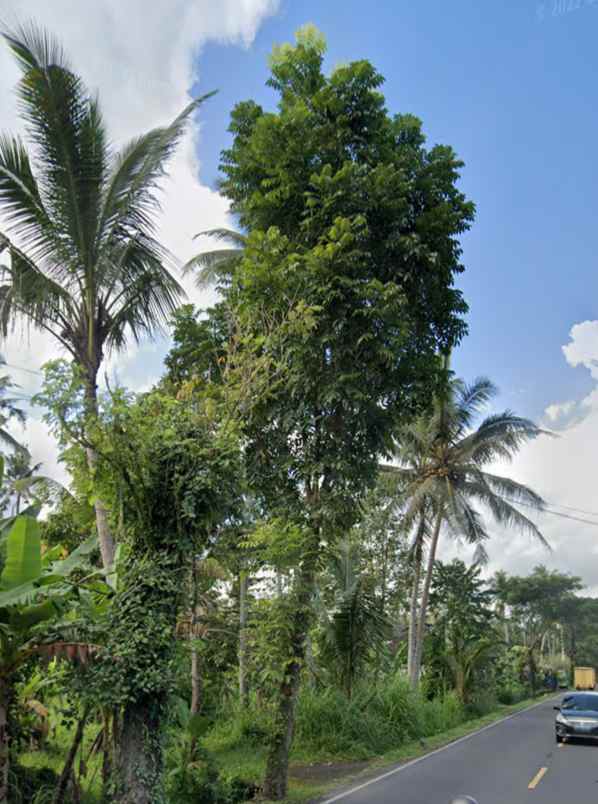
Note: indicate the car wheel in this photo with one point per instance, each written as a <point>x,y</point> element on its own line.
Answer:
<point>559,739</point>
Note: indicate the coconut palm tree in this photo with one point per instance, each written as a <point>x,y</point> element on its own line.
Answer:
<point>354,629</point>
<point>24,485</point>
<point>10,410</point>
<point>80,223</point>
<point>216,267</point>
<point>442,459</point>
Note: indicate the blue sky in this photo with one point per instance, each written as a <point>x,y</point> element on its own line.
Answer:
<point>511,86</point>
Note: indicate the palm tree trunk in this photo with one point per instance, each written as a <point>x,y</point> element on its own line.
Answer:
<point>417,569</point>
<point>421,626</point>
<point>105,539</point>
<point>104,535</point>
<point>243,685</point>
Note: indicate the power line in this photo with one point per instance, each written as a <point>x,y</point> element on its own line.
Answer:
<point>577,510</point>
<point>554,513</point>
<point>22,368</point>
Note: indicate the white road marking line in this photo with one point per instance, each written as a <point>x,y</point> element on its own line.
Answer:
<point>413,762</point>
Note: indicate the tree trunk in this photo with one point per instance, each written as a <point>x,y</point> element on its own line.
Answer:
<point>421,626</point>
<point>195,682</point>
<point>4,744</point>
<point>140,753</point>
<point>243,681</point>
<point>412,637</point>
<point>104,535</point>
<point>309,661</point>
<point>67,771</point>
<point>277,766</point>
<point>107,748</point>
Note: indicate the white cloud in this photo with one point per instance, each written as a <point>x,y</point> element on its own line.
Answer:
<point>582,350</point>
<point>563,470</point>
<point>556,412</point>
<point>141,57</point>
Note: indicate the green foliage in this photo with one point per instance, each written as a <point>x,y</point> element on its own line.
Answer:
<point>85,265</point>
<point>191,773</point>
<point>463,632</point>
<point>352,227</point>
<point>377,718</point>
<point>23,556</point>
<point>354,629</point>
<point>199,346</point>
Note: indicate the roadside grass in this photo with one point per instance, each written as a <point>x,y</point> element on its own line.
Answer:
<point>239,751</point>
<point>248,761</point>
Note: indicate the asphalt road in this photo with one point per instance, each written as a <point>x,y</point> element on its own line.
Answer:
<point>515,761</point>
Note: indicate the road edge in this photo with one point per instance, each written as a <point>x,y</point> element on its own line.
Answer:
<point>398,767</point>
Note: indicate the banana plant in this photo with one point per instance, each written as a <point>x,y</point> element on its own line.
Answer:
<point>34,589</point>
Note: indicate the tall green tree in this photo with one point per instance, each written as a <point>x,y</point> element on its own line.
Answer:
<point>173,472</point>
<point>343,298</point>
<point>463,623</point>
<point>443,458</point>
<point>85,265</point>
<point>538,601</point>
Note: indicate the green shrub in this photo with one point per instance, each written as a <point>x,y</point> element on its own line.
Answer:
<point>31,785</point>
<point>512,694</point>
<point>482,702</point>
<point>200,783</point>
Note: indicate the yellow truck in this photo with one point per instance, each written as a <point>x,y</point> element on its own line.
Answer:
<point>584,678</point>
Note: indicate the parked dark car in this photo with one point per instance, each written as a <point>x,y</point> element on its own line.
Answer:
<point>577,716</point>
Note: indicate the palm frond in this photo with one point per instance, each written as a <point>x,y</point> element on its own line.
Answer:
<point>228,235</point>
<point>212,267</point>
<point>131,195</point>
<point>504,512</point>
<point>67,130</point>
<point>28,293</point>
<point>217,265</point>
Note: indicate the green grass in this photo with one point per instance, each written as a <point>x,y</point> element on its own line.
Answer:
<point>52,756</point>
<point>248,760</point>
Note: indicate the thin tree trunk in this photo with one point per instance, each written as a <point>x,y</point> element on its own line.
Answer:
<point>67,771</point>
<point>193,634</point>
<point>195,682</point>
<point>4,744</point>
<point>421,626</point>
<point>277,766</point>
<point>243,681</point>
<point>309,660</point>
<point>104,535</point>
<point>107,748</point>
<point>140,753</point>
<point>195,689</point>
<point>412,636</point>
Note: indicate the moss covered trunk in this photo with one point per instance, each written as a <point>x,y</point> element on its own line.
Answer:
<point>139,764</point>
<point>277,766</point>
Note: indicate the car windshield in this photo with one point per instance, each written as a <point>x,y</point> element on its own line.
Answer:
<point>581,703</point>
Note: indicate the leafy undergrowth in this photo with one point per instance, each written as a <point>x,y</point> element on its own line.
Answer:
<point>337,740</point>
<point>34,777</point>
